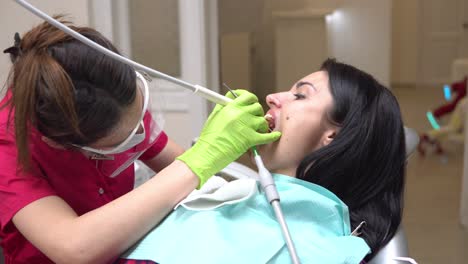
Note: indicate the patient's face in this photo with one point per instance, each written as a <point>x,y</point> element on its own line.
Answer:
<point>300,114</point>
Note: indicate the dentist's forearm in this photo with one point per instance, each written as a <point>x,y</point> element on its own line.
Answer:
<point>104,233</point>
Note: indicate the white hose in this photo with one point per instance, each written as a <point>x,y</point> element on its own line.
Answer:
<point>197,89</point>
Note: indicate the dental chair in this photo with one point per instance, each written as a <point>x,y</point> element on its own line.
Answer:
<point>398,245</point>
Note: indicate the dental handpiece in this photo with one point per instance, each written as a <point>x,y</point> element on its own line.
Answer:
<point>268,184</point>
<point>196,89</point>
<point>266,179</point>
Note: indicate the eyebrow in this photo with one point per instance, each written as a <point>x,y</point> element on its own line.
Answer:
<point>301,83</point>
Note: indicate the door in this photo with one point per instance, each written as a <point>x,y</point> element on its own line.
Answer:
<point>444,26</point>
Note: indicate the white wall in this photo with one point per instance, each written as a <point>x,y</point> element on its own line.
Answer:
<point>100,17</point>
<point>298,58</point>
<point>405,42</point>
<point>13,18</point>
<point>294,5</point>
<point>359,33</point>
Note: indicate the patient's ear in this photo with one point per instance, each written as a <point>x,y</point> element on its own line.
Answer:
<point>52,143</point>
<point>328,136</point>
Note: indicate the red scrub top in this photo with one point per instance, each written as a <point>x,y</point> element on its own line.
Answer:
<point>83,183</point>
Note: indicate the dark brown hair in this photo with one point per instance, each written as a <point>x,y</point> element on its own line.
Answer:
<point>66,90</point>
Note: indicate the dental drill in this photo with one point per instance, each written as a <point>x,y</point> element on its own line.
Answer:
<point>266,179</point>
<point>271,193</point>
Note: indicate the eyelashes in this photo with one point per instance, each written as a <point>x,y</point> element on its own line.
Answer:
<point>299,96</point>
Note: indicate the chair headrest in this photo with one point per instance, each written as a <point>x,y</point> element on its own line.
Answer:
<point>411,140</point>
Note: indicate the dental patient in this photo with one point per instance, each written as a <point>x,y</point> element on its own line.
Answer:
<point>339,168</point>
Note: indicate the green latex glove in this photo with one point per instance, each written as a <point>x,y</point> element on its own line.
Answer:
<point>227,134</point>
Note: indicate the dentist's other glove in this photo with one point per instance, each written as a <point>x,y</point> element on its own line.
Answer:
<point>227,134</point>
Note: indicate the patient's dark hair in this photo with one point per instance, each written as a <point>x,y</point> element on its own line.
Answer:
<point>68,91</point>
<point>364,165</point>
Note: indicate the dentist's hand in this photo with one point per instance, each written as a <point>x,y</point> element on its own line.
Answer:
<point>228,133</point>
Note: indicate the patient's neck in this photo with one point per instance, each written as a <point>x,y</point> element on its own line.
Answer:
<point>286,171</point>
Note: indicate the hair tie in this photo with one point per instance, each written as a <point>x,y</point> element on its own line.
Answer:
<point>15,50</point>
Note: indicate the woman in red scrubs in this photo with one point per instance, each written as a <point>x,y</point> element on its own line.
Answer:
<point>71,124</point>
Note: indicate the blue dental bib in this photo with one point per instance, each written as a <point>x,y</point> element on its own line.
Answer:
<point>248,232</point>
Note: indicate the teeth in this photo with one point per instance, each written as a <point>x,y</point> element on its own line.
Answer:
<point>271,123</point>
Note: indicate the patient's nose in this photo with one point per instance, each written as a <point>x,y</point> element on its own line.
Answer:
<point>278,99</point>
<point>272,100</point>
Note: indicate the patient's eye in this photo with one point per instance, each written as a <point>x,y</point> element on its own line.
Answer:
<point>299,96</point>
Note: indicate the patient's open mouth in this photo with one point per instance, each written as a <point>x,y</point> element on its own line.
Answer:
<point>271,121</point>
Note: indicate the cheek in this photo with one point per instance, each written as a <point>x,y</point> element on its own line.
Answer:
<point>300,136</point>
<point>291,147</point>
<point>302,132</point>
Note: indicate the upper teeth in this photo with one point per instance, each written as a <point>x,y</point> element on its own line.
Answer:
<point>269,119</point>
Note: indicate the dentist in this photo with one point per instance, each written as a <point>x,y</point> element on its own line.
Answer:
<point>72,123</point>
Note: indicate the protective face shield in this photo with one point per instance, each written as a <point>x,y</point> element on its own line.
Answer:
<point>142,137</point>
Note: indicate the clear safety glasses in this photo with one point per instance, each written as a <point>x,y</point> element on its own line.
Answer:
<point>133,138</point>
